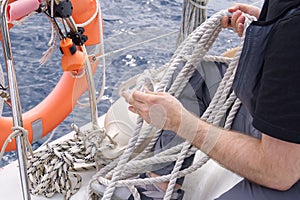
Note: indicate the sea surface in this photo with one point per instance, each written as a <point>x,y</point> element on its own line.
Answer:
<point>127,25</point>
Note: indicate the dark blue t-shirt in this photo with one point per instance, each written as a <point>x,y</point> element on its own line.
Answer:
<point>277,109</point>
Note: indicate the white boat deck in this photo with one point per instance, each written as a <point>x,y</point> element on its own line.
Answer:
<point>206,183</point>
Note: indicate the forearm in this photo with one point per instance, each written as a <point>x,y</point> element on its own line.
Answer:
<point>241,154</point>
<point>236,152</point>
<point>270,162</point>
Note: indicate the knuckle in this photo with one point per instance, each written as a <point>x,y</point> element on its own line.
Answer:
<point>134,94</point>
<point>145,110</point>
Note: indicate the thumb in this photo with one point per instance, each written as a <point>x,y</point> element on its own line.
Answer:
<point>245,8</point>
<point>239,6</point>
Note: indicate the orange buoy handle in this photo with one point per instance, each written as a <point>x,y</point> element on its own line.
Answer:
<point>73,58</point>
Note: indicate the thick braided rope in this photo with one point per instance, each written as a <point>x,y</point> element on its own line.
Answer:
<point>195,58</point>
<point>179,56</point>
<point>222,92</point>
<point>182,79</point>
<point>167,81</point>
<point>184,48</point>
<point>175,171</point>
<point>215,104</point>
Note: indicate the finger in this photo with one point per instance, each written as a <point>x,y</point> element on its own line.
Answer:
<point>142,96</point>
<point>128,96</point>
<point>155,93</point>
<point>245,8</point>
<point>132,109</point>
<point>234,7</point>
<point>225,22</point>
<point>238,6</point>
<point>144,116</point>
<point>240,29</point>
<point>234,18</point>
<point>241,19</point>
<point>240,25</point>
<point>149,91</point>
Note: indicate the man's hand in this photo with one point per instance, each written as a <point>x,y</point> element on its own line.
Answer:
<point>238,19</point>
<point>159,109</point>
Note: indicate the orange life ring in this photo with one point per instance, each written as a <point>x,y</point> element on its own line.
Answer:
<point>48,114</point>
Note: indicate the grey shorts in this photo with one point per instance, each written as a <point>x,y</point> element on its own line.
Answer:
<point>246,190</point>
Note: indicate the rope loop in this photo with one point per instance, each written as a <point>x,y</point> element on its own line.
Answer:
<point>17,131</point>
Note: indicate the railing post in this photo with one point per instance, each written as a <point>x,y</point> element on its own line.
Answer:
<point>15,99</point>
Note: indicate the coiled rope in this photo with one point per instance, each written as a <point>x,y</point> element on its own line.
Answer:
<point>53,169</point>
<point>190,53</point>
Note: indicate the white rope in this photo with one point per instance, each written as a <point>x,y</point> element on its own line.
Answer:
<point>53,37</point>
<point>102,52</point>
<point>190,52</point>
<point>193,14</point>
<point>17,131</point>
<point>176,169</point>
<point>135,45</point>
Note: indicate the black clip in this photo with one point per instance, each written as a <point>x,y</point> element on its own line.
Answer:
<point>77,37</point>
<point>4,95</point>
<point>63,10</point>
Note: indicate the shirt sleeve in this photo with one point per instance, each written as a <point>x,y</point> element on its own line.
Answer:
<point>277,112</point>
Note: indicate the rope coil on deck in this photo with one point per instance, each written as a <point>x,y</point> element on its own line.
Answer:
<point>191,52</point>
<point>52,170</point>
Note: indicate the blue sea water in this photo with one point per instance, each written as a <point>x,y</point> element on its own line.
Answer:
<point>126,22</point>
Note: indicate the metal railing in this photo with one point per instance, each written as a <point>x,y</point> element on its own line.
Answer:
<point>15,98</point>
